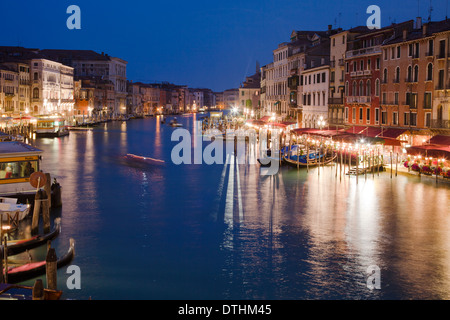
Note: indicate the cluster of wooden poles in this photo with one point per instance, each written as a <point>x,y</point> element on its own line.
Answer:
<point>372,158</point>
<point>42,205</point>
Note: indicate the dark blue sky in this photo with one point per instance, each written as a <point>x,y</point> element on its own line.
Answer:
<point>211,44</point>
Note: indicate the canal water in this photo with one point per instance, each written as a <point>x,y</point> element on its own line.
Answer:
<point>226,232</point>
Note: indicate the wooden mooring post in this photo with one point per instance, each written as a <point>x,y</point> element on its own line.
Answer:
<point>51,268</point>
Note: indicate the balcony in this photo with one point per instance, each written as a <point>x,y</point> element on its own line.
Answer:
<point>440,124</point>
<point>363,51</point>
<point>332,64</point>
<point>335,101</point>
<point>336,121</point>
<point>359,99</point>
<point>390,103</point>
<point>341,62</point>
<point>442,87</point>
<point>441,55</point>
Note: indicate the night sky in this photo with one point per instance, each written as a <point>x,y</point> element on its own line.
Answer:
<point>208,44</point>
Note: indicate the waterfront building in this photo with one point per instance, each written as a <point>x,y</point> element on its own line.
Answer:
<point>52,88</point>
<point>281,86</point>
<point>315,96</point>
<point>338,47</point>
<point>134,99</point>
<point>363,65</point>
<point>23,90</point>
<point>88,63</point>
<point>231,98</point>
<point>249,93</point>
<point>9,91</point>
<point>440,114</point>
<point>151,98</point>
<point>219,100</point>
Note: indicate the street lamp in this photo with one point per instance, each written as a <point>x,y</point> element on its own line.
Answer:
<point>321,123</point>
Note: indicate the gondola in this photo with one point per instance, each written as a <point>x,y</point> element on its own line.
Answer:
<point>314,160</point>
<point>147,160</point>
<point>271,158</point>
<point>268,159</point>
<point>19,246</point>
<point>35,269</point>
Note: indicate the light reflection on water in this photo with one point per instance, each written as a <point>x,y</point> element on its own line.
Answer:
<point>186,232</point>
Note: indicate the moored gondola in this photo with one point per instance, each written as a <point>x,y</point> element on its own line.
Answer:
<point>314,160</point>
<point>19,246</point>
<point>35,269</point>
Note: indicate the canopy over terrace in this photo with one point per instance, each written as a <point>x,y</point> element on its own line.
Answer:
<point>338,135</point>
<point>430,150</point>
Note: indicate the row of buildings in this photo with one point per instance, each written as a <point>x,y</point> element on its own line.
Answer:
<point>393,77</point>
<point>40,82</point>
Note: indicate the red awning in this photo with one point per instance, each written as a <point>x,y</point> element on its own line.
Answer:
<point>265,118</point>
<point>431,150</point>
<point>275,124</point>
<point>356,130</point>
<point>391,133</point>
<point>440,140</point>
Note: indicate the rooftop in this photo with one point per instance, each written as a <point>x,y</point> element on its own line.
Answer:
<point>16,147</point>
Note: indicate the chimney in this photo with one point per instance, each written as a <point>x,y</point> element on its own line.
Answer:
<point>425,29</point>
<point>418,23</point>
<point>405,34</point>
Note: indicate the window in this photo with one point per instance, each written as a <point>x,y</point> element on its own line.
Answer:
<point>416,73</point>
<point>36,76</point>
<point>377,115</point>
<point>442,49</point>
<point>368,64</point>
<point>346,114</point>
<point>368,88</point>
<point>354,89</point>
<point>430,48</point>
<point>396,98</point>
<point>398,52</point>
<point>417,51</point>
<point>397,75</point>
<point>368,115</point>
<point>384,117</point>
<point>361,65</point>
<point>346,89</point>
<point>393,53</point>
<point>385,54</point>
<point>361,88</point>
<point>378,64</point>
<point>35,93</point>
<point>427,119</point>
<point>384,98</point>
<point>347,67</point>
<point>410,50</point>
<point>413,119</point>
<point>427,100</point>
<point>360,115</point>
<point>406,119</point>
<point>323,77</point>
<point>18,169</point>
<point>385,75</point>
<point>395,118</point>
<point>354,115</point>
<point>377,87</point>
<point>409,74</point>
<point>430,72</point>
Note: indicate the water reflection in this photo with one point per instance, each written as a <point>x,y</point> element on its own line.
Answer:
<point>225,231</point>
